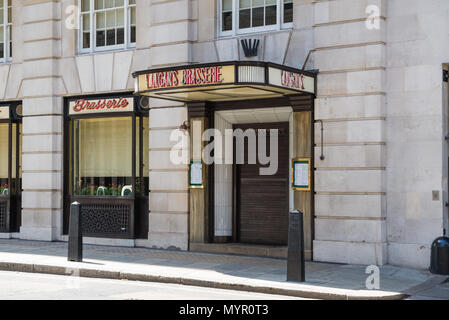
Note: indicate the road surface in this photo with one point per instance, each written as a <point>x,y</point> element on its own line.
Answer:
<point>32,286</point>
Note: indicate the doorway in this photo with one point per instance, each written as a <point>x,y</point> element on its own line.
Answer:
<point>262,201</point>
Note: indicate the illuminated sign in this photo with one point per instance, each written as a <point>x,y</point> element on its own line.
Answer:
<point>86,106</point>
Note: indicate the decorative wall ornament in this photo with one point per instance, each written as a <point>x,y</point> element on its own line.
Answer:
<point>250,47</point>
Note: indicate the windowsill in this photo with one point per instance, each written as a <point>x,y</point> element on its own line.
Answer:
<point>81,53</point>
<point>249,33</point>
<point>5,62</point>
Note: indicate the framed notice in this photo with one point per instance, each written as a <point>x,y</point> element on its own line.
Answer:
<point>196,174</point>
<point>301,174</point>
<point>4,112</point>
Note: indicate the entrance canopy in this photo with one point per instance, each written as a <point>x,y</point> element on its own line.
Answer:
<point>225,81</point>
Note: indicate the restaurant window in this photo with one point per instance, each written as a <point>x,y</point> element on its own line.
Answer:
<point>5,30</point>
<point>247,16</point>
<point>107,25</point>
<point>107,162</point>
<point>10,167</point>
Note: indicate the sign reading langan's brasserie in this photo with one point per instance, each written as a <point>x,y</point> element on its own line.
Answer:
<point>187,77</point>
<point>4,112</point>
<point>224,81</point>
<point>107,105</point>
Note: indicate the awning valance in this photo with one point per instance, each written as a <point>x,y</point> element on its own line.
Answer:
<point>225,81</point>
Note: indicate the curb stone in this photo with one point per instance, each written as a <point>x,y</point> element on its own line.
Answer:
<point>118,275</point>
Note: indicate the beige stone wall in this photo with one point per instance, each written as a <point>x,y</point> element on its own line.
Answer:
<point>350,203</point>
<point>417,154</point>
<point>380,98</point>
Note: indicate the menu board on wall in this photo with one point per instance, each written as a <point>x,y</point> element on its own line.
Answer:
<point>4,112</point>
<point>196,174</point>
<point>301,174</point>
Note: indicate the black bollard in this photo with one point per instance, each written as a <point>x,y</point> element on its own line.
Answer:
<point>295,259</point>
<point>75,236</point>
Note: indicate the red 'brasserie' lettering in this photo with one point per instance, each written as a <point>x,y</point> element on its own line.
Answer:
<point>199,76</point>
<point>82,104</point>
<point>292,80</point>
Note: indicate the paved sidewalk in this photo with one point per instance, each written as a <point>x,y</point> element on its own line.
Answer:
<point>265,275</point>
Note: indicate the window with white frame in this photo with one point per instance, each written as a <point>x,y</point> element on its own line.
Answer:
<point>107,25</point>
<point>5,30</point>
<point>246,16</point>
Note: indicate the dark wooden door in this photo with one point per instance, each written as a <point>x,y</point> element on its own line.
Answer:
<point>262,200</point>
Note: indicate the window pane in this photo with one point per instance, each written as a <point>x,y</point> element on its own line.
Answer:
<point>227,21</point>
<point>120,17</point>
<point>99,4</point>
<point>86,22</point>
<point>257,17</point>
<point>1,16</point>
<point>100,38</point>
<point>288,12</point>
<point>85,5</point>
<point>86,40</point>
<point>108,3</point>
<point>270,2</point>
<point>110,19</point>
<point>9,15</point>
<point>120,36</point>
<point>244,18</point>
<point>119,3</point>
<point>101,17</point>
<point>132,1</point>
<point>103,157</point>
<point>133,15</point>
<point>244,4</point>
<point>133,34</point>
<point>258,3</point>
<point>227,5</point>
<point>270,15</point>
<point>110,37</point>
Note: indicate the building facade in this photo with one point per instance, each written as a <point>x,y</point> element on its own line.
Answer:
<point>90,97</point>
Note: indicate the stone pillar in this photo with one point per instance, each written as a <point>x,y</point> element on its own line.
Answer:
<point>168,218</point>
<point>170,36</point>
<point>302,148</point>
<point>199,197</point>
<point>42,88</point>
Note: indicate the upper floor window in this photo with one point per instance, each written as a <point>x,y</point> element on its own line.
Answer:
<point>5,30</point>
<point>107,25</point>
<point>245,16</point>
